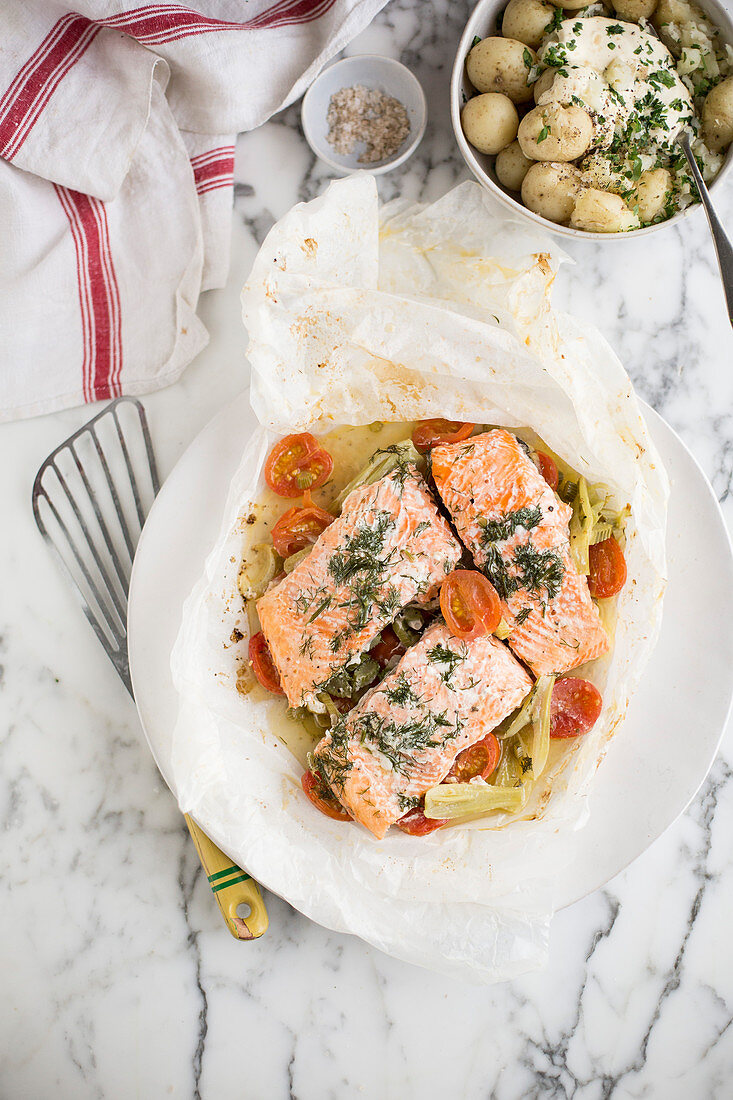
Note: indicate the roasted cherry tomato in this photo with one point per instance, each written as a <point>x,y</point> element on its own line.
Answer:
<point>297,463</point>
<point>263,664</point>
<point>387,647</point>
<point>428,433</point>
<point>480,759</point>
<point>607,569</point>
<point>548,469</point>
<point>298,528</point>
<point>417,824</point>
<point>470,604</point>
<point>575,708</point>
<point>321,797</point>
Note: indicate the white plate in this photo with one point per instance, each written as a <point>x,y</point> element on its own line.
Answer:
<point>656,761</point>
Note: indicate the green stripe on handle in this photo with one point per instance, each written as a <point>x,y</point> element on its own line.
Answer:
<point>230,882</point>
<point>227,871</point>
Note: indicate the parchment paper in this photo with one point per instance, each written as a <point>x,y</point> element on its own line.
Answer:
<point>356,315</point>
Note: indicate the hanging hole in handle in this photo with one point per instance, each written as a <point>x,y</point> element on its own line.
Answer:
<point>244,910</point>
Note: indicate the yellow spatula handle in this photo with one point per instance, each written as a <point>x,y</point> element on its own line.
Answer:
<point>231,887</point>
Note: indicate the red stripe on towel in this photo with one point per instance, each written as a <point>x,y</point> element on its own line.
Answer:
<point>99,298</point>
<point>30,91</point>
<point>159,23</point>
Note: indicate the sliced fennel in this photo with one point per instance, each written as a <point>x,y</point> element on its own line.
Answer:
<point>581,527</point>
<point>256,574</point>
<point>451,800</point>
<point>295,559</point>
<point>381,463</point>
<point>526,747</point>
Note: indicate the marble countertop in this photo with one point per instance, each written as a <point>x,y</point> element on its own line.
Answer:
<point>118,978</point>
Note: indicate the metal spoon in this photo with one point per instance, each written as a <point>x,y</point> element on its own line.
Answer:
<point>723,247</point>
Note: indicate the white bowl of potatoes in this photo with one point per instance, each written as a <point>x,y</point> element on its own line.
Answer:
<point>569,114</point>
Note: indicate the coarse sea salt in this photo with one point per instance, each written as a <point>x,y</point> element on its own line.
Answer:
<point>360,114</point>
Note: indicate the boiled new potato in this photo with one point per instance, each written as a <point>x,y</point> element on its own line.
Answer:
<point>602,212</point>
<point>551,190</point>
<point>527,20</point>
<point>501,65</point>
<point>490,122</point>
<point>512,166</point>
<point>543,83</point>
<point>634,9</point>
<point>574,5</point>
<point>717,115</point>
<point>673,11</point>
<point>650,193</point>
<point>556,133</point>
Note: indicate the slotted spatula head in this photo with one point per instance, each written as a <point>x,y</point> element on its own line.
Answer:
<point>90,500</point>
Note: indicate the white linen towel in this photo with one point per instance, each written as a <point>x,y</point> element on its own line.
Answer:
<point>117,128</point>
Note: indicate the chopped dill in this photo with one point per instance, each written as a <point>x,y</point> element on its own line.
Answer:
<point>539,569</point>
<point>522,615</point>
<point>408,801</point>
<point>401,692</point>
<point>498,530</point>
<point>444,655</point>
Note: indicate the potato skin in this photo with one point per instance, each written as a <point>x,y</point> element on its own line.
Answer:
<point>490,122</point>
<point>717,116</point>
<point>602,212</point>
<point>634,9</point>
<point>565,133</point>
<point>512,166</point>
<point>551,191</point>
<point>650,193</point>
<point>527,20</point>
<point>543,83</point>
<point>498,65</point>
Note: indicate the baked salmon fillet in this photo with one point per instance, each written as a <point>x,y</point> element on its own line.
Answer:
<point>388,547</point>
<point>404,734</point>
<point>516,528</point>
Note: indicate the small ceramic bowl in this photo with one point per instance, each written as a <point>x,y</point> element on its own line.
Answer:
<point>483,23</point>
<point>375,72</point>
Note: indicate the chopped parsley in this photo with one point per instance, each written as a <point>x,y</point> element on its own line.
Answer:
<point>543,134</point>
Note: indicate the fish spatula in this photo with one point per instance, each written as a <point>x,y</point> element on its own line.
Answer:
<point>90,500</point>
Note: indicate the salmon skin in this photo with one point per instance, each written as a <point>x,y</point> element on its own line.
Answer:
<point>403,735</point>
<point>388,547</point>
<point>516,528</point>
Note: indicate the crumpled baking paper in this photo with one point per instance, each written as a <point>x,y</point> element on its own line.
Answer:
<point>356,315</point>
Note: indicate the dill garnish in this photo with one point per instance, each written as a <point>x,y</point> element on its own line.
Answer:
<point>408,801</point>
<point>400,693</point>
<point>443,655</point>
<point>498,530</point>
<point>522,615</point>
<point>539,569</point>
<point>399,741</point>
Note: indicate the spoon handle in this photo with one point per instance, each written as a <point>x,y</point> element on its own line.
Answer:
<point>723,246</point>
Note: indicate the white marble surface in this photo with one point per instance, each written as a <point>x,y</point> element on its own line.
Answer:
<point>117,976</point>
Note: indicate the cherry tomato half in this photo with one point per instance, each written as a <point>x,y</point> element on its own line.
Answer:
<point>480,759</point>
<point>297,463</point>
<point>298,528</point>
<point>263,664</point>
<point>417,824</point>
<point>548,469</point>
<point>575,708</point>
<point>470,604</point>
<point>316,790</point>
<point>607,569</point>
<point>430,432</point>
<point>387,647</point>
